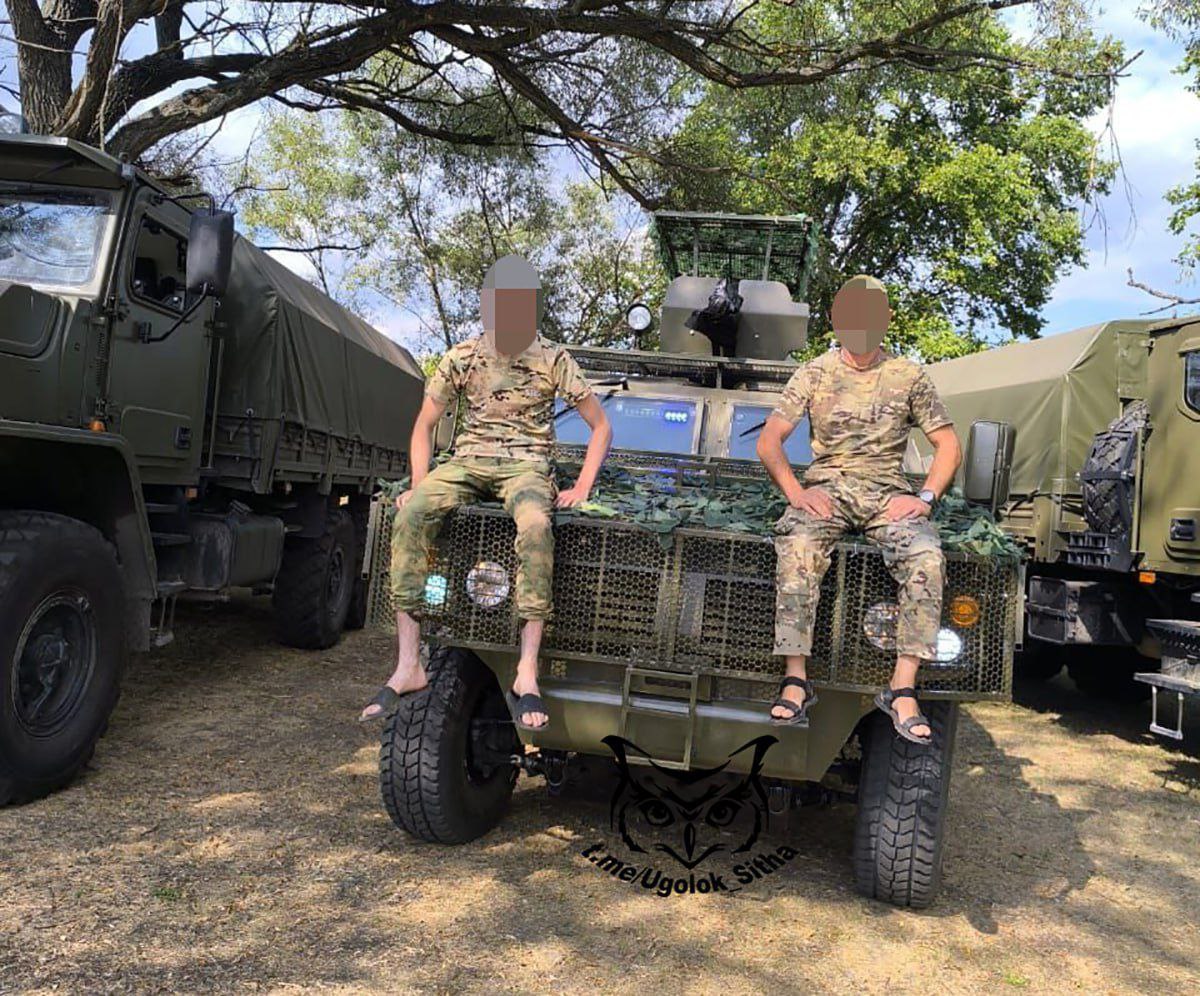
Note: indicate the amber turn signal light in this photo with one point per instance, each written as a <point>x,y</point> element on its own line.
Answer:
<point>964,610</point>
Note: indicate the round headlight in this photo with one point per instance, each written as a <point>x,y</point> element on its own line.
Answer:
<point>949,646</point>
<point>638,317</point>
<point>879,625</point>
<point>487,584</point>
<point>436,589</point>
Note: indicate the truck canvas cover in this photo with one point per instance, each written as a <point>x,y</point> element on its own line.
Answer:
<point>293,354</point>
<point>1057,392</point>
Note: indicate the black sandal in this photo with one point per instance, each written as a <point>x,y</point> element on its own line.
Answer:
<point>884,702</point>
<point>388,700</point>
<point>799,713</point>
<point>519,706</point>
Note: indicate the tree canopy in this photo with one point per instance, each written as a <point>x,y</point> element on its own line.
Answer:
<point>961,190</point>
<point>591,76</point>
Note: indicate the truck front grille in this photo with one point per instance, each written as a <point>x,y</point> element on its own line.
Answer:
<point>698,601</point>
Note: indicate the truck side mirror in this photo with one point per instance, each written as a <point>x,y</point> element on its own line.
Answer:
<point>989,463</point>
<point>210,252</point>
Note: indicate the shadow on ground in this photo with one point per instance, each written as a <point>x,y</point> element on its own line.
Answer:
<point>230,836</point>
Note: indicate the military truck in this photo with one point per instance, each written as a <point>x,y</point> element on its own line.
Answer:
<point>665,638</point>
<point>180,415</point>
<point>1107,437</point>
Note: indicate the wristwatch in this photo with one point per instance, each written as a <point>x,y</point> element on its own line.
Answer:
<point>927,496</point>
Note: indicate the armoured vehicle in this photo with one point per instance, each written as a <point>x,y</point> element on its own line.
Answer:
<point>1103,494</point>
<point>664,638</point>
<point>179,415</point>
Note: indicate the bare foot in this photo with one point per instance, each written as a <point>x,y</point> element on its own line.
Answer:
<point>907,707</point>
<point>404,679</point>
<point>529,686</point>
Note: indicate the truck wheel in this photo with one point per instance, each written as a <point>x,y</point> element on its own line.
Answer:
<point>62,649</point>
<point>1107,673</point>
<point>314,585</point>
<point>902,802</point>
<point>444,764</point>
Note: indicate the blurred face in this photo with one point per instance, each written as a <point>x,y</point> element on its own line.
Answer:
<point>509,318</point>
<point>860,317</point>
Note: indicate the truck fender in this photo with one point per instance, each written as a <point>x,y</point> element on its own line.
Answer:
<point>90,476</point>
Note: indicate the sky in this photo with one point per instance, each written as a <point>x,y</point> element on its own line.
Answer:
<point>1155,121</point>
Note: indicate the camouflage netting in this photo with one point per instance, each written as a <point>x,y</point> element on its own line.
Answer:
<point>662,503</point>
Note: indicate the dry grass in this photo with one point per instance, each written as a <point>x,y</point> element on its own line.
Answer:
<point>229,836</point>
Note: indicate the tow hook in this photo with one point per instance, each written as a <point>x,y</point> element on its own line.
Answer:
<point>779,799</point>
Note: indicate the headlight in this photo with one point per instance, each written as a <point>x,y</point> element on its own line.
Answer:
<point>963,611</point>
<point>487,584</point>
<point>949,646</point>
<point>879,625</point>
<point>436,589</point>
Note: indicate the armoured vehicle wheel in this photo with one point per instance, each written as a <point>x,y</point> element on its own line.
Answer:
<point>314,586</point>
<point>1107,673</point>
<point>902,802</point>
<point>62,649</point>
<point>444,763</point>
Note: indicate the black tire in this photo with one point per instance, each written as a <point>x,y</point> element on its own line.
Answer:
<point>356,615</point>
<point>314,586</point>
<point>433,783</point>
<point>62,649</point>
<point>902,801</point>
<point>1038,661</point>
<point>1107,673</point>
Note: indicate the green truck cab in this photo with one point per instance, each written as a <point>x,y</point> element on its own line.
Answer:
<point>664,639</point>
<point>1104,495</point>
<point>180,415</point>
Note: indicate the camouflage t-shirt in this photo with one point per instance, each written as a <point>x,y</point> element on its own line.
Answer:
<point>509,399</point>
<point>861,419</point>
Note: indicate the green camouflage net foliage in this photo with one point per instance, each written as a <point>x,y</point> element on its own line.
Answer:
<point>662,502</point>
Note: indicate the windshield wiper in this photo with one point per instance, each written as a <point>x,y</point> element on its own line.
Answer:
<point>620,384</point>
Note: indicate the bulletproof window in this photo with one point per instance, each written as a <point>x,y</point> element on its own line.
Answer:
<point>747,423</point>
<point>1191,381</point>
<point>159,273</point>
<point>660,425</point>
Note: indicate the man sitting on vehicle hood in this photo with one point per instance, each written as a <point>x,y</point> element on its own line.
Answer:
<point>509,377</point>
<point>861,402</point>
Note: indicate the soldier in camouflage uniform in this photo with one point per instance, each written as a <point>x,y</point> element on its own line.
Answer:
<point>861,403</point>
<point>508,378</point>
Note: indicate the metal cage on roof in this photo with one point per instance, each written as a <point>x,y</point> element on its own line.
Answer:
<point>746,247</point>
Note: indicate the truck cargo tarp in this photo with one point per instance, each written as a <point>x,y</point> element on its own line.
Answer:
<point>1057,392</point>
<point>291,351</point>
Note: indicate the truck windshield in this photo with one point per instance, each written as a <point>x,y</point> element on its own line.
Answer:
<point>660,425</point>
<point>52,238</point>
<point>746,417</point>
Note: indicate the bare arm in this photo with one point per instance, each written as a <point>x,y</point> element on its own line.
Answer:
<point>592,413</point>
<point>770,452</point>
<point>420,447</point>
<point>947,455</point>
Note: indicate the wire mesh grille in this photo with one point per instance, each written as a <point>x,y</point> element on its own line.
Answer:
<point>698,601</point>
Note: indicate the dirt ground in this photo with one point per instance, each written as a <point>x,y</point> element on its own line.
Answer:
<point>229,836</point>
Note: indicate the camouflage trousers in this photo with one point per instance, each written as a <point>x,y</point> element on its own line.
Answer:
<point>527,489</point>
<point>911,550</point>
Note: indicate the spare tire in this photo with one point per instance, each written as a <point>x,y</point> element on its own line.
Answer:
<point>1108,472</point>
